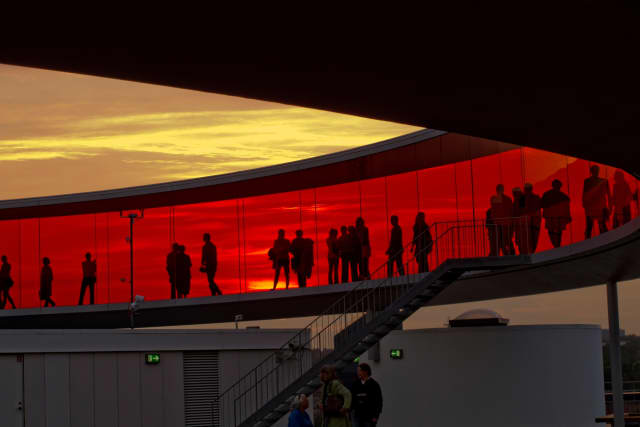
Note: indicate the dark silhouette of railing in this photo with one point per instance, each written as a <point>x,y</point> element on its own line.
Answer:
<point>357,321</point>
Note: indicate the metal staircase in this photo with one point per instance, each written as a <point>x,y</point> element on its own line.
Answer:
<point>354,323</point>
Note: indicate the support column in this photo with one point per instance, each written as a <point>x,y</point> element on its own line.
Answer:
<point>614,353</point>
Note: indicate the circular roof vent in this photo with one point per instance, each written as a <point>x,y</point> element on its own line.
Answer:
<point>478,317</point>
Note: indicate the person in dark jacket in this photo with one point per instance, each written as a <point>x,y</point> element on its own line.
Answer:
<point>421,243</point>
<point>6,282</point>
<point>183,272</point>
<point>302,262</point>
<point>88,278</point>
<point>395,248</point>
<point>556,210</point>
<point>367,399</point>
<point>46,278</point>
<point>333,256</point>
<point>596,200</point>
<point>345,251</point>
<point>280,257</point>
<point>209,263</point>
<point>171,267</point>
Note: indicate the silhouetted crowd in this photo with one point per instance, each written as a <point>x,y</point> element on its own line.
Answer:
<point>515,222</point>
<point>513,226</point>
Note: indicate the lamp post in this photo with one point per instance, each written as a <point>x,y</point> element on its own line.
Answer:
<point>132,217</point>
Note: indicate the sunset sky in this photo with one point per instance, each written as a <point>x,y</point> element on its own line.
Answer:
<point>66,133</point>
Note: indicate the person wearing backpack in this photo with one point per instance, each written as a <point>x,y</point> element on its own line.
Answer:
<point>336,399</point>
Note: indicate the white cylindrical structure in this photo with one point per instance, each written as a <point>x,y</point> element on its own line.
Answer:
<point>549,375</point>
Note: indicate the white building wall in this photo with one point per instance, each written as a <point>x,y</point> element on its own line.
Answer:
<point>492,376</point>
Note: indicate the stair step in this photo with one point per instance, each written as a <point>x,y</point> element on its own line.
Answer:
<point>371,339</point>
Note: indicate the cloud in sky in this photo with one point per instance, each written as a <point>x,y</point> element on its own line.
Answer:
<point>63,133</point>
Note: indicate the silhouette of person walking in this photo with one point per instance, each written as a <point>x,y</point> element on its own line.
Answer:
<point>363,236</point>
<point>209,263</point>
<point>332,256</point>
<point>183,272</point>
<point>596,198</point>
<point>621,201</point>
<point>395,249</point>
<point>531,209</point>
<point>280,256</point>
<point>46,278</point>
<point>556,210</point>
<point>422,242</point>
<point>88,278</point>
<point>171,267</point>
<point>502,214</point>
<point>6,282</point>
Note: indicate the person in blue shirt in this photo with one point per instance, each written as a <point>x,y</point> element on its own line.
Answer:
<point>298,416</point>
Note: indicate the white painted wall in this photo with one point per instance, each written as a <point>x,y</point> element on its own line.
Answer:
<point>492,376</point>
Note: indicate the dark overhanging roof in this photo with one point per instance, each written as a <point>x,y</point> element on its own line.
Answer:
<point>566,82</point>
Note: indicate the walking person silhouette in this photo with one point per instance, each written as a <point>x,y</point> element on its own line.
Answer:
<point>46,278</point>
<point>88,278</point>
<point>6,282</point>
<point>209,263</point>
<point>395,248</point>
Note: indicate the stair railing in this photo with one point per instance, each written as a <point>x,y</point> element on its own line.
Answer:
<point>332,329</point>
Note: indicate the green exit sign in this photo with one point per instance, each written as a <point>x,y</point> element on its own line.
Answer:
<point>152,358</point>
<point>396,353</point>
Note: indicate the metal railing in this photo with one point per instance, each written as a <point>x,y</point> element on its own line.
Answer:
<point>351,313</point>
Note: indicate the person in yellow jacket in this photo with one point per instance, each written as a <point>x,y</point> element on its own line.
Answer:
<point>336,400</point>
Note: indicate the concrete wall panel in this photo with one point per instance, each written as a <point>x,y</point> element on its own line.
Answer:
<point>34,391</point>
<point>105,371</point>
<point>129,403</point>
<point>81,389</point>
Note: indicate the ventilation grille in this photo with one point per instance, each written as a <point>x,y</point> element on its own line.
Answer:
<point>201,387</point>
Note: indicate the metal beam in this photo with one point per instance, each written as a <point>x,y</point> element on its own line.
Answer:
<point>614,353</point>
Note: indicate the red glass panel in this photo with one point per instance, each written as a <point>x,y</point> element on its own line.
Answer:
<point>311,231</point>
<point>376,218</point>
<point>486,176</point>
<point>30,263</point>
<point>338,205</point>
<point>118,258</point>
<point>10,247</point>
<point>263,217</point>
<point>540,169</point>
<point>65,241</point>
<point>151,244</point>
<point>438,194</point>
<point>220,220</point>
